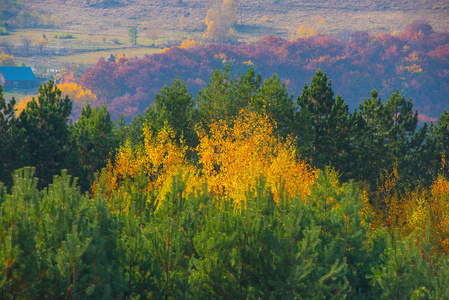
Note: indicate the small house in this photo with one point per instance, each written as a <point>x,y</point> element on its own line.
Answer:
<point>19,77</point>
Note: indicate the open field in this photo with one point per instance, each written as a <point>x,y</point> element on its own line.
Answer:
<point>93,56</point>
<point>102,17</point>
<point>101,27</point>
<point>83,49</point>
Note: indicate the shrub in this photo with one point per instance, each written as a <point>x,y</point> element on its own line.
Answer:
<point>63,35</point>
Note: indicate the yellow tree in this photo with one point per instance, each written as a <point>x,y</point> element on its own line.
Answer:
<point>7,60</point>
<point>389,207</point>
<point>189,43</point>
<point>234,154</point>
<point>439,203</point>
<point>418,212</point>
<point>41,44</point>
<point>159,158</point>
<point>304,31</point>
<point>220,18</point>
<point>22,104</point>
<point>79,95</point>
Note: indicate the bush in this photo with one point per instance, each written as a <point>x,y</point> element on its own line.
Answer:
<point>63,36</point>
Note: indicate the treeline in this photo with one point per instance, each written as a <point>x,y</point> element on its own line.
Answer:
<point>366,145</point>
<point>14,14</point>
<point>415,62</point>
<point>41,136</point>
<point>243,192</point>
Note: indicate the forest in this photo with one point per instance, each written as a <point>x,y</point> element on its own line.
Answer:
<point>244,191</point>
<point>414,61</point>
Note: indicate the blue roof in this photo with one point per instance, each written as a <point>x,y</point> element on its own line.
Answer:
<point>17,73</point>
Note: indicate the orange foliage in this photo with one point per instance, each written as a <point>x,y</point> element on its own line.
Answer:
<point>79,95</point>
<point>7,60</point>
<point>22,104</point>
<point>234,155</point>
<point>159,158</point>
<point>231,158</point>
<point>413,212</point>
<point>189,43</point>
<point>439,206</point>
<point>412,69</point>
<point>165,50</point>
<point>412,57</point>
<point>410,64</point>
<point>266,19</point>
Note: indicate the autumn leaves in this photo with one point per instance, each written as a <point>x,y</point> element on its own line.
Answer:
<point>231,156</point>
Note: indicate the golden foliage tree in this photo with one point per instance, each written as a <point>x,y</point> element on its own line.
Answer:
<point>439,211</point>
<point>428,211</point>
<point>419,212</point>
<point>79,95</point>
<point>41,44</point>
<point>234,154</point>
<point>189,43</point>
<point>304,31</point>
<point>7,60</point>
<point>219,20</point>
<point>22,104</point>
<point>159,159</point>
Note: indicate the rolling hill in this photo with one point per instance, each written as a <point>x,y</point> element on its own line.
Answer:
<point>256,18</point>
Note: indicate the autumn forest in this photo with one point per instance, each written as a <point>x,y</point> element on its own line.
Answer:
<point>241,192</point>
<point>306,165</point>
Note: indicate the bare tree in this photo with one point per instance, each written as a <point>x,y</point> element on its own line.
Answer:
<point>153,32</point>
<point>26,41</point>
<point>7,45</point>
<point>41,43</point>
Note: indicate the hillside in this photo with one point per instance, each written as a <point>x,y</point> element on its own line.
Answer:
<point>256,18</point>
<point>386,59</point>
<point>415,62</point>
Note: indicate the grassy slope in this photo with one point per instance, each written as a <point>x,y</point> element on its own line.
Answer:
<point>95,25</point>
<point>102,17</point>
<point>106,20</point>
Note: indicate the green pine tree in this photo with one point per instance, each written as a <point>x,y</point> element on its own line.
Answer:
<point>325,136</point>
<point>44,123</point>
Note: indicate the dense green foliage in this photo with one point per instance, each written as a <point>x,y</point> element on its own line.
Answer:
<point>57,241</point>
<point>41,136</point>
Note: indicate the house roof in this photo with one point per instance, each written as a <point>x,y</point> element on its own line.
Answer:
<point>17,73</point>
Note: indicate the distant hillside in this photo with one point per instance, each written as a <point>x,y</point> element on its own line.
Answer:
<point>416,62</point>
<point>256,18</point>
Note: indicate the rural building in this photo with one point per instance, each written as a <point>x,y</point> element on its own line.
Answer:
<point>21,77</point>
